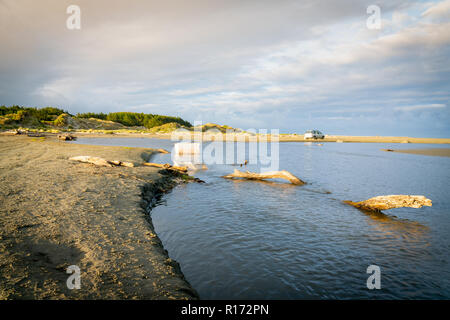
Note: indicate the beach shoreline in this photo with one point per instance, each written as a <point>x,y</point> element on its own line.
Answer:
<point>228,136</point>
<point>282,138</point>
<point>55,213</point>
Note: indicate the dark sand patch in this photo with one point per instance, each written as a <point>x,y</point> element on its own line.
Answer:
<point>55,213</point>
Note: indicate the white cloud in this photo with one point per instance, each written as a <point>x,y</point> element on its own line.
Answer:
<point>420,107</point>
<point>438,11</point>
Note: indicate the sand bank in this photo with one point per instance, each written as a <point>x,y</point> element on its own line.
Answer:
<point>55,213</point>
<point>439,152</point>
<point>282,138</point>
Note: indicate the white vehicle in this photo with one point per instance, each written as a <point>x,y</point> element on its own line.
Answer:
<point>314,134</point>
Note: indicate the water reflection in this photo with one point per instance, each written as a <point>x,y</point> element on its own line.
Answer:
<point>277,184</point>
<point>395,227</point>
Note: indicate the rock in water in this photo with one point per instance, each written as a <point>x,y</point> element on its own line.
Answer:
<point>379,203</point>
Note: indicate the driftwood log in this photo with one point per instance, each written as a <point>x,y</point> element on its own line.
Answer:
<point>122,163</point>
<point>266,175</point>
<point>379,203</point>
<point>66,137</point>
<point>13,132</point>
<point>35,134</point>
<point>179,171</point>
<point>174,170</point>
<point>162,150</point>
<point>101,162</point>
<point>166,166</point>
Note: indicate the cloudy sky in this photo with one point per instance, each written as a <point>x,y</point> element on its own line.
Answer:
<point>292,65</point>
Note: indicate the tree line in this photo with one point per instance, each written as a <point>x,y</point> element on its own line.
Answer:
<point>130,119</point>
<point>134,119</point>
<point>43,114</point>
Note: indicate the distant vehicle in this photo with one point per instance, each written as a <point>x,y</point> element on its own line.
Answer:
<point>314,134</point>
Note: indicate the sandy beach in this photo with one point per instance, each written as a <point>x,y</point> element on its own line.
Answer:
<point>55,213</point>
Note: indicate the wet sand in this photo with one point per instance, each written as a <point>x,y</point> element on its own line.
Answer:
<point>439,152</point>
<point>55,213</point>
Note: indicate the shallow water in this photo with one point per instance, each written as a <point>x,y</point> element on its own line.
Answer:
<point>256,240</point>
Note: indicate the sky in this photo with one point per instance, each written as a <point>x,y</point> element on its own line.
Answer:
<point>287,65</point>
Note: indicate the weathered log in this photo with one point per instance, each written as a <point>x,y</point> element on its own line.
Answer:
<point>94,160</point>
<point>14,132</point>
<point>266,175</point>
<point>66,137</point>
<point>9,133</point>
<point>166,166</point>
<point>178,171</point>
<point>162,150</point>
<point>35,134</point>
<point>379,203</point>
<point>121,163</point>
<point>101,162</point>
